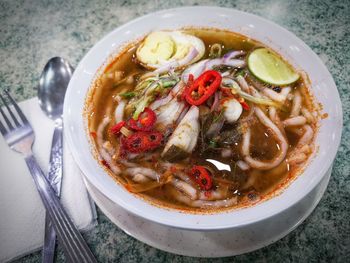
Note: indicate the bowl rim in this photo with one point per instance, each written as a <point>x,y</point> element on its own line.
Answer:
<point>198,221</point>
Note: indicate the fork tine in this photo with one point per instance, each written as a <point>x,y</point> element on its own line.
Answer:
<point>19,111</point>
<point>10,111</point>
<point>9,124</point>
<point>2,129</point>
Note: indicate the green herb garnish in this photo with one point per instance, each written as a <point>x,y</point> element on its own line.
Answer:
<point>218,116</point>
<point>213,144</point>
<point>128,95</point>
<point>240,72</point>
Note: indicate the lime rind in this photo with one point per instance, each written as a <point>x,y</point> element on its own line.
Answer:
<point>270,68</point>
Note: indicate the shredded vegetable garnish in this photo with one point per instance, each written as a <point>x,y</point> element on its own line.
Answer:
<point>148,90</point>
<point>227,82</point>
<point>127,95</point>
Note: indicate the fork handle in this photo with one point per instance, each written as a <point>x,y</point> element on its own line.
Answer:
<point>74,246</point>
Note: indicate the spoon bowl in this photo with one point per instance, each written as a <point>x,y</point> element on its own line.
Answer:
<point>52,86</point>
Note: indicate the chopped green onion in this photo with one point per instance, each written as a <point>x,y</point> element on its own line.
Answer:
<point>145,83</point>
<point>213,144</point>
<point>128,95</point>
<point>170,83</point>
<point>147,91</point>
<point>240,72</point>
<point>261,101</point>
<point>141,106</point>
<point>218,116</point>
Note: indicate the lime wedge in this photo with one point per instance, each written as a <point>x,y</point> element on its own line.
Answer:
<point>270,68</point>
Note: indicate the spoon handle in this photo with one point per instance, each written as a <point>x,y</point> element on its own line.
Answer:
<point>55,179</point>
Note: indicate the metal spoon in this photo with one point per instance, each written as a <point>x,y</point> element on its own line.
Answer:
<point>52,88</point>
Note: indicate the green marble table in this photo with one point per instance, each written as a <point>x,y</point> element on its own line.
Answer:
<point>33,31</point>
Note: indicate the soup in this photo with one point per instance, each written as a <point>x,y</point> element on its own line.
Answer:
<point>201,120</point>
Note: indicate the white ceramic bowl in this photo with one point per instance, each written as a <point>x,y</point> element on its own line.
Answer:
<point>291,47</point>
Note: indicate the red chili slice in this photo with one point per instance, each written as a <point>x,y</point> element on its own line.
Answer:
<point>202,177</point>
<point>93,134</point>
<point>203,87</point>
<point>143,141</point>
<point>116,128</point>
<point>226,92</point>
<point>145,121</point>
<point>244,104</point>
<point>189,84</point>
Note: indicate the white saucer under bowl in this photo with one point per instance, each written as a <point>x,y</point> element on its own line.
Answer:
<point>208,243</point>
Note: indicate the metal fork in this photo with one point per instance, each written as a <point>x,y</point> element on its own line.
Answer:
<point>20,137</point>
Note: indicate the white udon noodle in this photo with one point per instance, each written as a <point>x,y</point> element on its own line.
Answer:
<point>185,188</point>
<point>307,114</point>
<point>295,121</point>
<point>283,144</point>
<point>296,107</point>
<point>273,114</point>
<point>150,173</point>
<point>203,203</point>
<point>279,97</point>
<point>243,83</point>
<point>276,120</point>
<point>104,154</point>
<point>185,192</point>
<point>303,148</point>
<point>276,126</point>
<point>119,110</point>
<point>307,136</point>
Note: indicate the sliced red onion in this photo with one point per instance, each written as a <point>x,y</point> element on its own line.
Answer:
<point>212,63</point>
<point>233,54</point>
<point>236,63</point>
<point>166,67</point>
<point>160,102</point>
<point>182,114</point>
<point>192,54</point>
<point>173,92</point>
<point>226,73</point>
<point>215,104</point>
<point>196,70</point>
